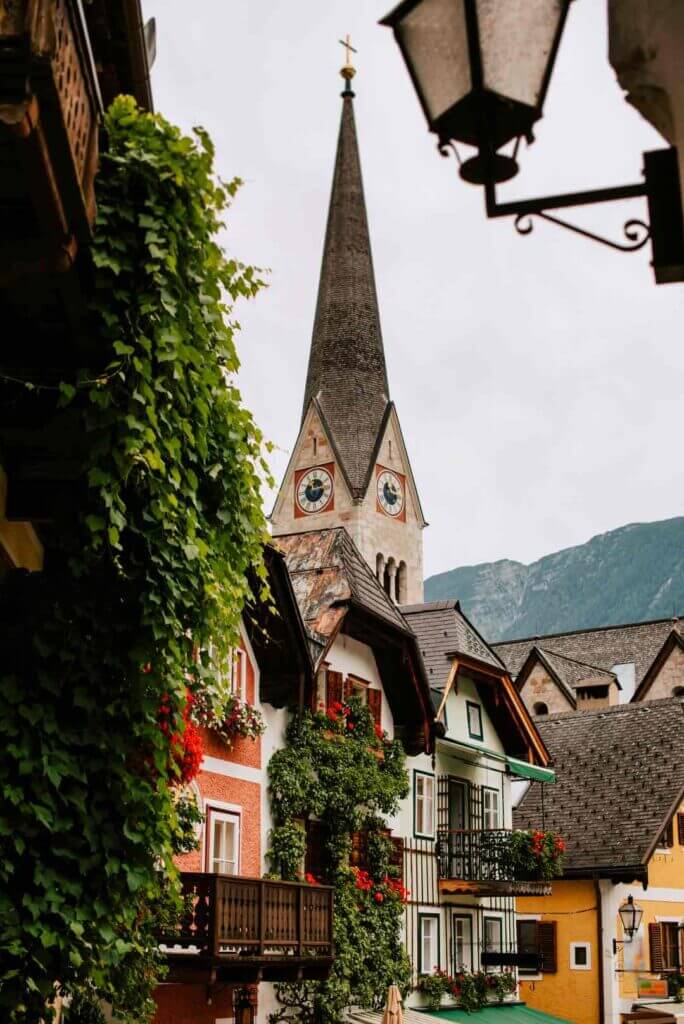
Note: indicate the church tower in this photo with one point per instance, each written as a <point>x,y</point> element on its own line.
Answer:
<point>349,466</point>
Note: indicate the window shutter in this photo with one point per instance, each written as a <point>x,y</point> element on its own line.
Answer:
<point>333,688</point>
<point>680,829</point>
<point>547,946</point>
<point>655,942</point>
<point>375,705</point>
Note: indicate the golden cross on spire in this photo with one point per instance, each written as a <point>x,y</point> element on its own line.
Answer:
<point>348,48</point>
<point>348,71</point>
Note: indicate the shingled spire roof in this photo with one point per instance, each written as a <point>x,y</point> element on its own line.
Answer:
<point>347,374</point>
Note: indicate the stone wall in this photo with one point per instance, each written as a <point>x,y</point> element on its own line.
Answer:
<point>540,688</point>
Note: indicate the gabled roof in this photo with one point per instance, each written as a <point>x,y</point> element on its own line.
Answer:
<point>620,778</point>
<point>674,640</point>
<point>567,673</point>
<point>449,643</point>
<point>347,373</point>
<point>635,643</point>
<point>443,630</point>
<point>337,592</point>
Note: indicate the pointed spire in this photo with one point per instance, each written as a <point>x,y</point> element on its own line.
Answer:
<point>347,373</point>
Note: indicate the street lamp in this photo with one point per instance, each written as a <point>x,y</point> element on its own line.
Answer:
<point>481,69</point>
<point>630,916</point>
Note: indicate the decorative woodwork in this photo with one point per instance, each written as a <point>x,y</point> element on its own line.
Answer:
<point>251,928</point>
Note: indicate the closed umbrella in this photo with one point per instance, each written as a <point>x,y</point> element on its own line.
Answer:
<point>392,1013</point>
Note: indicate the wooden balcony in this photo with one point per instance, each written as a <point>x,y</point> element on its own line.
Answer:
<point>479,863</point>
<point>49,110</point>
<point>251,930</point>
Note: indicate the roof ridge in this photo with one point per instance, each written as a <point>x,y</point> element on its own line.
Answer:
<point>628,707</point>
<point>588,629</point>
<point>575,661</point>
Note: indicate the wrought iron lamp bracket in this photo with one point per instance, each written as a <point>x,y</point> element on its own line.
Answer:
<point>636,232</point>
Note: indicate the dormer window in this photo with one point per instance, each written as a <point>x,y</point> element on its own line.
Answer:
<point>540,708</point>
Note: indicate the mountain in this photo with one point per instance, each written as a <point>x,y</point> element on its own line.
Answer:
<point>630,574</point>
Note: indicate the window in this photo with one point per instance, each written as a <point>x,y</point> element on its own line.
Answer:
<point>474,713</point>
<point>527,934</point>
<point>223,831</point>
<point>678,691</point>
<point>538,937</point>
<point>238,672</point>
<point>463,943</point>
<point>428,938</point>
<point>540,708</point>
<point>580,956</point>
<point>493,927</point>
<point>490,808</point>
<point>423,804</point>
<point>663,939</point>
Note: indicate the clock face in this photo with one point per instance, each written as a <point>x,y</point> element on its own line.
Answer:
<point>390,493</point>
<point>314,490</point>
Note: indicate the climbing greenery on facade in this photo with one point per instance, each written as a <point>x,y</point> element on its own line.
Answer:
<point>339,768</point>
<point>148,564</point>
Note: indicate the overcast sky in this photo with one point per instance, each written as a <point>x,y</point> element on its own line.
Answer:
<point>538,380</point>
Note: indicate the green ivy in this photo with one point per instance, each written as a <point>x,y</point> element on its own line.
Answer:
<point>153,565</point>
<point>336,768</point>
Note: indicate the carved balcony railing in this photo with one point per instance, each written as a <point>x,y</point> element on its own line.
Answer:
<point>251,929</point>
<point>49,110</point>
<point>481,861</point>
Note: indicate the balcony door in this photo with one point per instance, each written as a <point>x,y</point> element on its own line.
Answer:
<point>458,823</point>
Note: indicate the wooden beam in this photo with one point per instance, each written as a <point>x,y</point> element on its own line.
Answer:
<point>451,678</point>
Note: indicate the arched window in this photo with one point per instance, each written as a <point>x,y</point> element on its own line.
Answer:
<point>389,579</point>
<point>380,568</point>
<point>540,708</point>
<point>678,691</point>
<point>401,583</point>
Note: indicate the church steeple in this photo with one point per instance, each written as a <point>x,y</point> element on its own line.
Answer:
<point>349,466</point>
<point>347,373</point>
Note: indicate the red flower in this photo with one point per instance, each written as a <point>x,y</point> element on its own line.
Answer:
<point>308,877</point>
<point>378,897</point>
<point>337,706</point>
<point>350,725</point>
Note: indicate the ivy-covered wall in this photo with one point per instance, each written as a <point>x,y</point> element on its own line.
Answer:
<point>146,566</point>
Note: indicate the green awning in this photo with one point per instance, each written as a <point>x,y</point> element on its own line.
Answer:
<point>531,771</point>
<point>516,1013</point>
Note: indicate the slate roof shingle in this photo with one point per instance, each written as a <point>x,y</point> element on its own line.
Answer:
<point>443,630</point>
<point>619,775</point>
<point>636,643</point>
<point>347,373</point>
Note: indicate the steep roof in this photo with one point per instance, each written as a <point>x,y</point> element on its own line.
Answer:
<point>620,777</point>
<point>337,592</point>
<point>443,630</point>
<point>347,373</point>
<point>635,643</point>
<point>328,571</point>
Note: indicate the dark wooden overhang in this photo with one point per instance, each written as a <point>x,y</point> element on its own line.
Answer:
<point>278,637</point>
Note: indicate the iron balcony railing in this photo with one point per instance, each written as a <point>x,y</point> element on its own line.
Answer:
<point>480,855</point>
